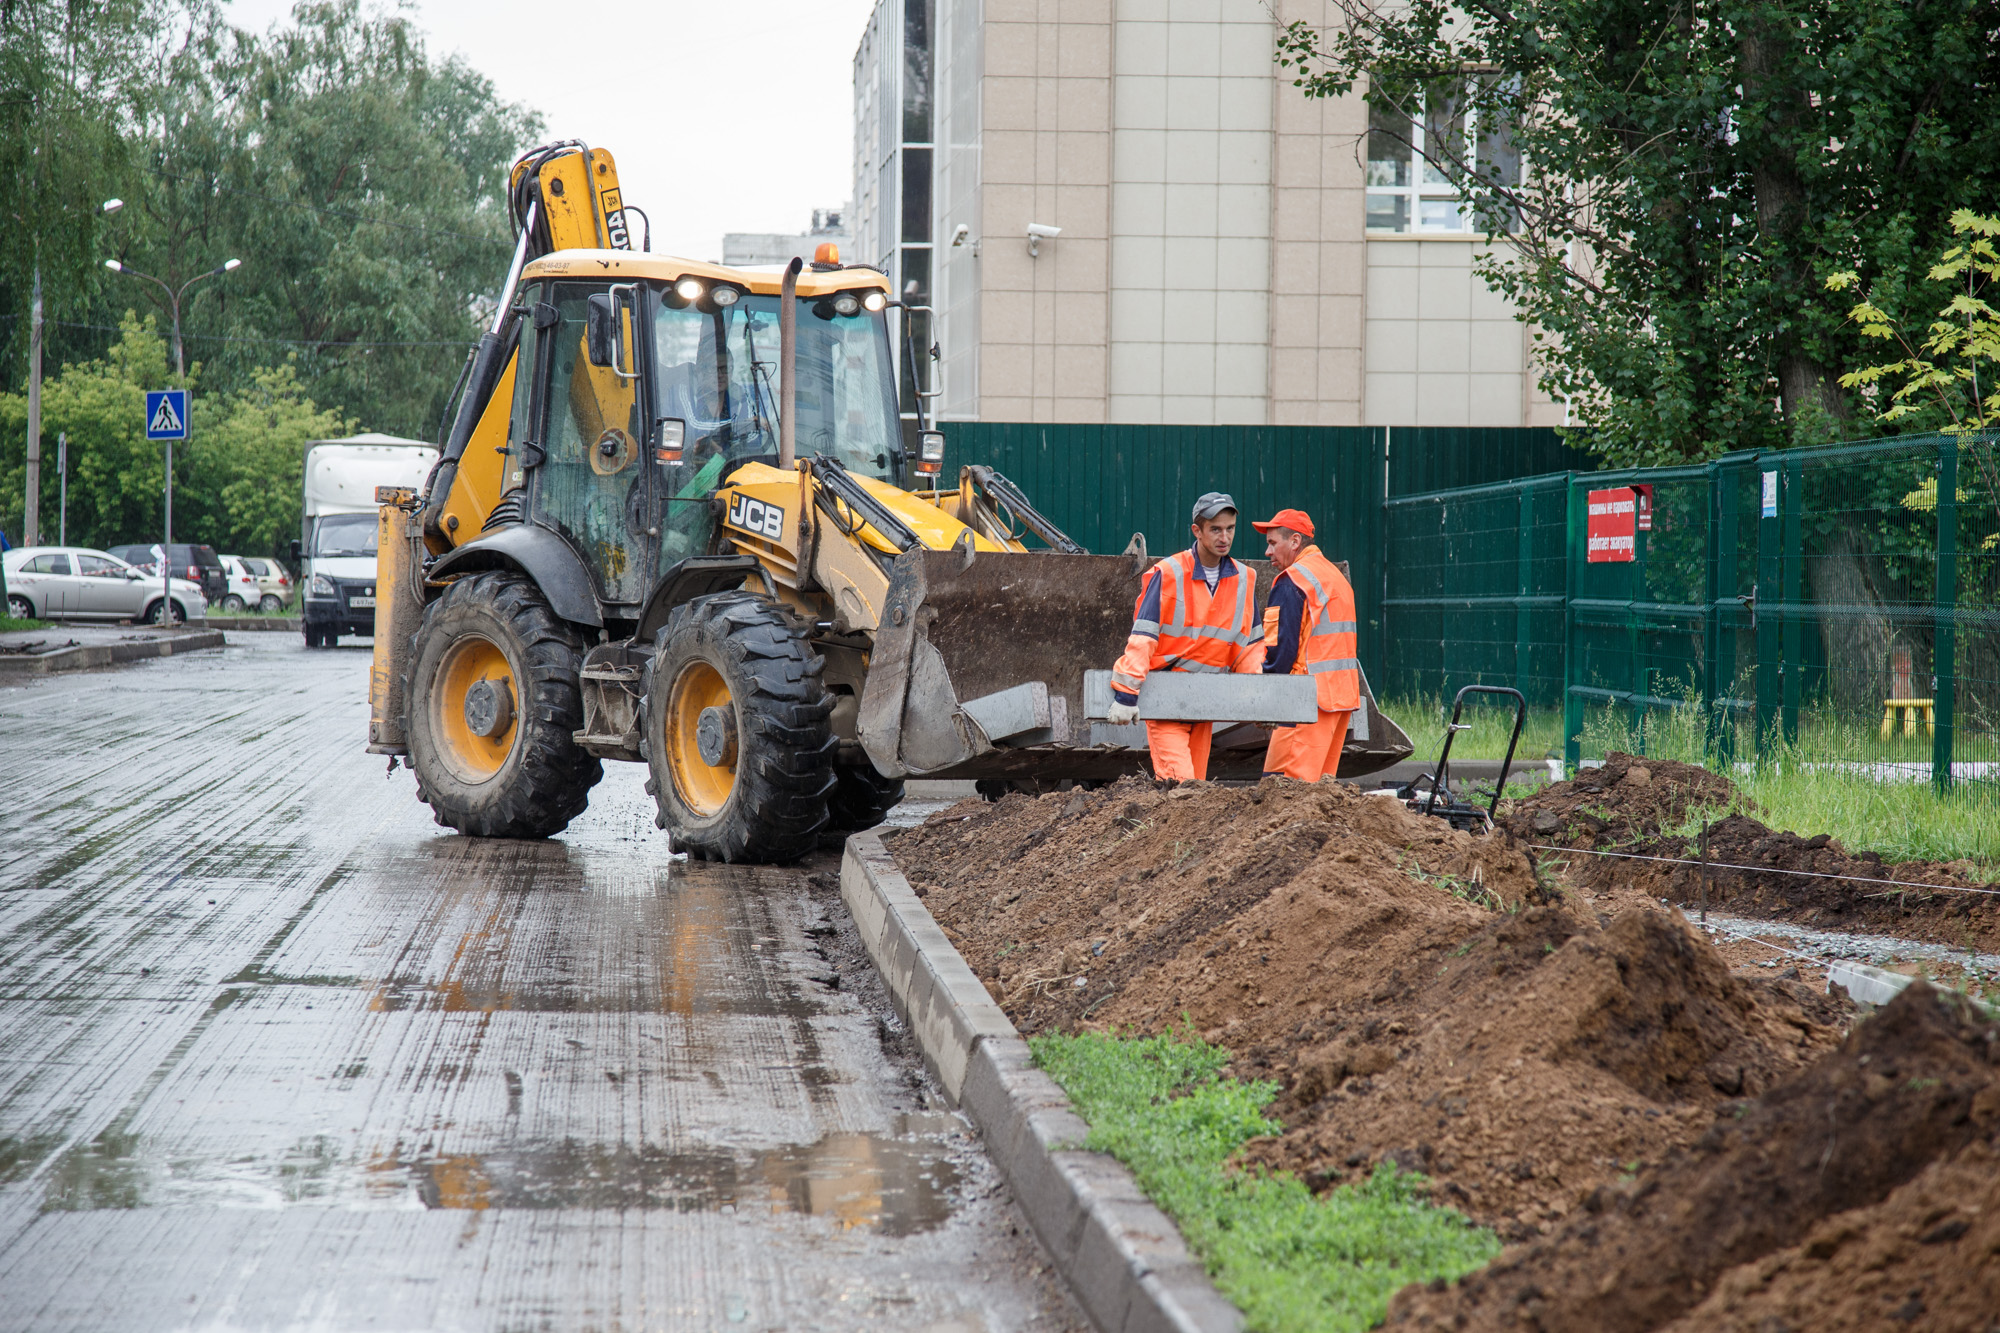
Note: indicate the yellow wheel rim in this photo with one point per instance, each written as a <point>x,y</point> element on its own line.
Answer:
<point>703,787</point>
<point>471,756</point>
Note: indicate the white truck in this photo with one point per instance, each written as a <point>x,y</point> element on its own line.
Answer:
<point>336,547</point>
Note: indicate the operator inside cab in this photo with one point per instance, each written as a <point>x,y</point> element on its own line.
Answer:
<point>1309,631</point>
<point>1196,612</point>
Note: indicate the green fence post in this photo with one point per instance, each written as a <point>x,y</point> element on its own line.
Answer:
<point>1573,551</point>
<point>1765,616</point>
<point>1944,685</point>
<point>1711,614</point>
<point>1790,502</point>
<point>1524,565</point>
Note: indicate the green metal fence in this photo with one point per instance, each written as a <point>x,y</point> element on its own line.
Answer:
<point>1472,590</point>
<point>1801,591</point>
<point>1787,600</point>
<point>1103,483</point>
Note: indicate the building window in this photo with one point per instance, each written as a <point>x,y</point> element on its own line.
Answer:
<point>1409,189</point>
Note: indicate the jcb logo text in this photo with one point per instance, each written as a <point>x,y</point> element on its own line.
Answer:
<point>755,516</point>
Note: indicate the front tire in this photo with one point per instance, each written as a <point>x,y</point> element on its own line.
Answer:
<point>164,612</point>
<point>862,798</point>
<point>493,706</point>
<point>737,731</point>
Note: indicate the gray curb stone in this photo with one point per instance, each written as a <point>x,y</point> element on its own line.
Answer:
<point>1122,1257</point>
<point>107,654</point>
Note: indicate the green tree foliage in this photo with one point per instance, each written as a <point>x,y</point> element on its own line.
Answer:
<point>237,479</point>
<point>359,180</point>
<point>361,183</point>
<point>1697,170</point>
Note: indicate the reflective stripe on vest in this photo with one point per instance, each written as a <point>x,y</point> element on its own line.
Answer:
<point>1326,637</point>
<point>1207,647</point>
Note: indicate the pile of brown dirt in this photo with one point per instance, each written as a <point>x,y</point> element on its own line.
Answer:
<point>1856,1194</point>
<point>1650,807</point>
<point>1413,989</point>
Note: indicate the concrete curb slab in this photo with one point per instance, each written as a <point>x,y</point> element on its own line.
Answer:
<point>284,624</point>
<point>1122,1257</point>
<point>107,654</point>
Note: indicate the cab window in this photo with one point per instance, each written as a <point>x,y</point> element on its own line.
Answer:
<point>97,567</point>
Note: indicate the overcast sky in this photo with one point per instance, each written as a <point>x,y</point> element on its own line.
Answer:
<point>724,115</point>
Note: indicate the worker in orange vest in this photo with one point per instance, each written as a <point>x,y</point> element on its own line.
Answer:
<point>1309,630</point>
<point>1196,612</point>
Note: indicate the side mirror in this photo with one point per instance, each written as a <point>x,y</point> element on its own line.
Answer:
<point>669,439</point>
<point>600,329</point>
<point>296,548</point>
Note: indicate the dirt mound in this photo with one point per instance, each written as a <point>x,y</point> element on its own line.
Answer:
<point>1927,1257</point>
<point>1646,807</point>
<point>1410,987</point>
<point>1917,1084</point>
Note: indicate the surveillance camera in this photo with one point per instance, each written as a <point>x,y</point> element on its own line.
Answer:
<point>960,234</point>
<point>1037,229</point>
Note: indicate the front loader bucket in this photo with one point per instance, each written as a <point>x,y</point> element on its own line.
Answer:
<point>978,672</point>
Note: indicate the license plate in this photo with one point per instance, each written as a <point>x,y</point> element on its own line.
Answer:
<point>361,601</point>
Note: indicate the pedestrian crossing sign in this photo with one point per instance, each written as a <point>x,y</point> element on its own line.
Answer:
<point>167,414</point>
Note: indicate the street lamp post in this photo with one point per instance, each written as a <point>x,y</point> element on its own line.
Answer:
<point>180,373</point>
<point>31,517</point>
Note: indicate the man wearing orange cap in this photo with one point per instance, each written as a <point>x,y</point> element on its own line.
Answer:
<point>1309,630</point>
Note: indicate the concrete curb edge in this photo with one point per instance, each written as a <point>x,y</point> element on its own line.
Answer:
<point>107,654</point>
<point>1123,1259</point>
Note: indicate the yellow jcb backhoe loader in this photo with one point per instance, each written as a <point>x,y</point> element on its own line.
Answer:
<point>669,526</point>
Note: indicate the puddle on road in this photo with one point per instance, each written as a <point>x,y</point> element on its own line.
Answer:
<point>892,1184</point>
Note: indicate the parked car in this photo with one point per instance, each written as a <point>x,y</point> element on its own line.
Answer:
<point>192,561</point>
<point>274,585</point>
<point>74,583</point>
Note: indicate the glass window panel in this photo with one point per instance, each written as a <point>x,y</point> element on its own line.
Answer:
<point>1444,129</point>
<point>1388,212</point>
<point>916,71</point>
<point>916,194</point>
<point>1389,133</point>
<point>917,275</point>
<point>1440,215</point>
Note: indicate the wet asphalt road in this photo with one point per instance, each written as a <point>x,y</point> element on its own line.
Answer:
<point>278,1052</point>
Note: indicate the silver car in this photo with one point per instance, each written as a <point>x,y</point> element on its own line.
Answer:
<point>75,583</point>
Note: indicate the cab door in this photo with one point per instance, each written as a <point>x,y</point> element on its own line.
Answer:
<point>590,478</point>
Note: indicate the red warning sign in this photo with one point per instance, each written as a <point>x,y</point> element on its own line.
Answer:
<point>1613,520</point>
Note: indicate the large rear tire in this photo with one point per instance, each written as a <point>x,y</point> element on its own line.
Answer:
<point>493,707</point>
<point>736,730</point>
<point>861,799</point>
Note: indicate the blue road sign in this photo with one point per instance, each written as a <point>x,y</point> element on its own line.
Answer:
<point>167,414</point>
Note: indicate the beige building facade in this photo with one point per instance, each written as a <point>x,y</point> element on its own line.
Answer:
<point>1206,253</point>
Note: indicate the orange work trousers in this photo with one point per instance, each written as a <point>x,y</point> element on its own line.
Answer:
<point>1309,751</point>
<point>1179,749</point>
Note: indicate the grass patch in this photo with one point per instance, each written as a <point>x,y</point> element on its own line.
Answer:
<point>15,622</point>
<point>1290,1262</point>
<point>1423,718</point>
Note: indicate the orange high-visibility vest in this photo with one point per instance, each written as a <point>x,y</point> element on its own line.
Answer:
<point>1326,633</point>
<point>1196,630</point>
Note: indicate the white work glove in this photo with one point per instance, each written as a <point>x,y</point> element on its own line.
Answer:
<point>1122,715</point>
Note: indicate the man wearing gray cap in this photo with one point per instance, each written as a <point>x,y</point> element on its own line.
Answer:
<point>1196,612</point>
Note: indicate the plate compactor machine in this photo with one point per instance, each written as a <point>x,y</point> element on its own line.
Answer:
<point>675,522</point>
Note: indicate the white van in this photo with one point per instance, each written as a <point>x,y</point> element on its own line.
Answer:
<point>337,544</point>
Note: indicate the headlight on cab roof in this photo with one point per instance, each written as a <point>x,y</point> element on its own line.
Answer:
<point>874,301</point>
<point>847,303</point>
<point>688,289</point>
<point>725,296</point>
